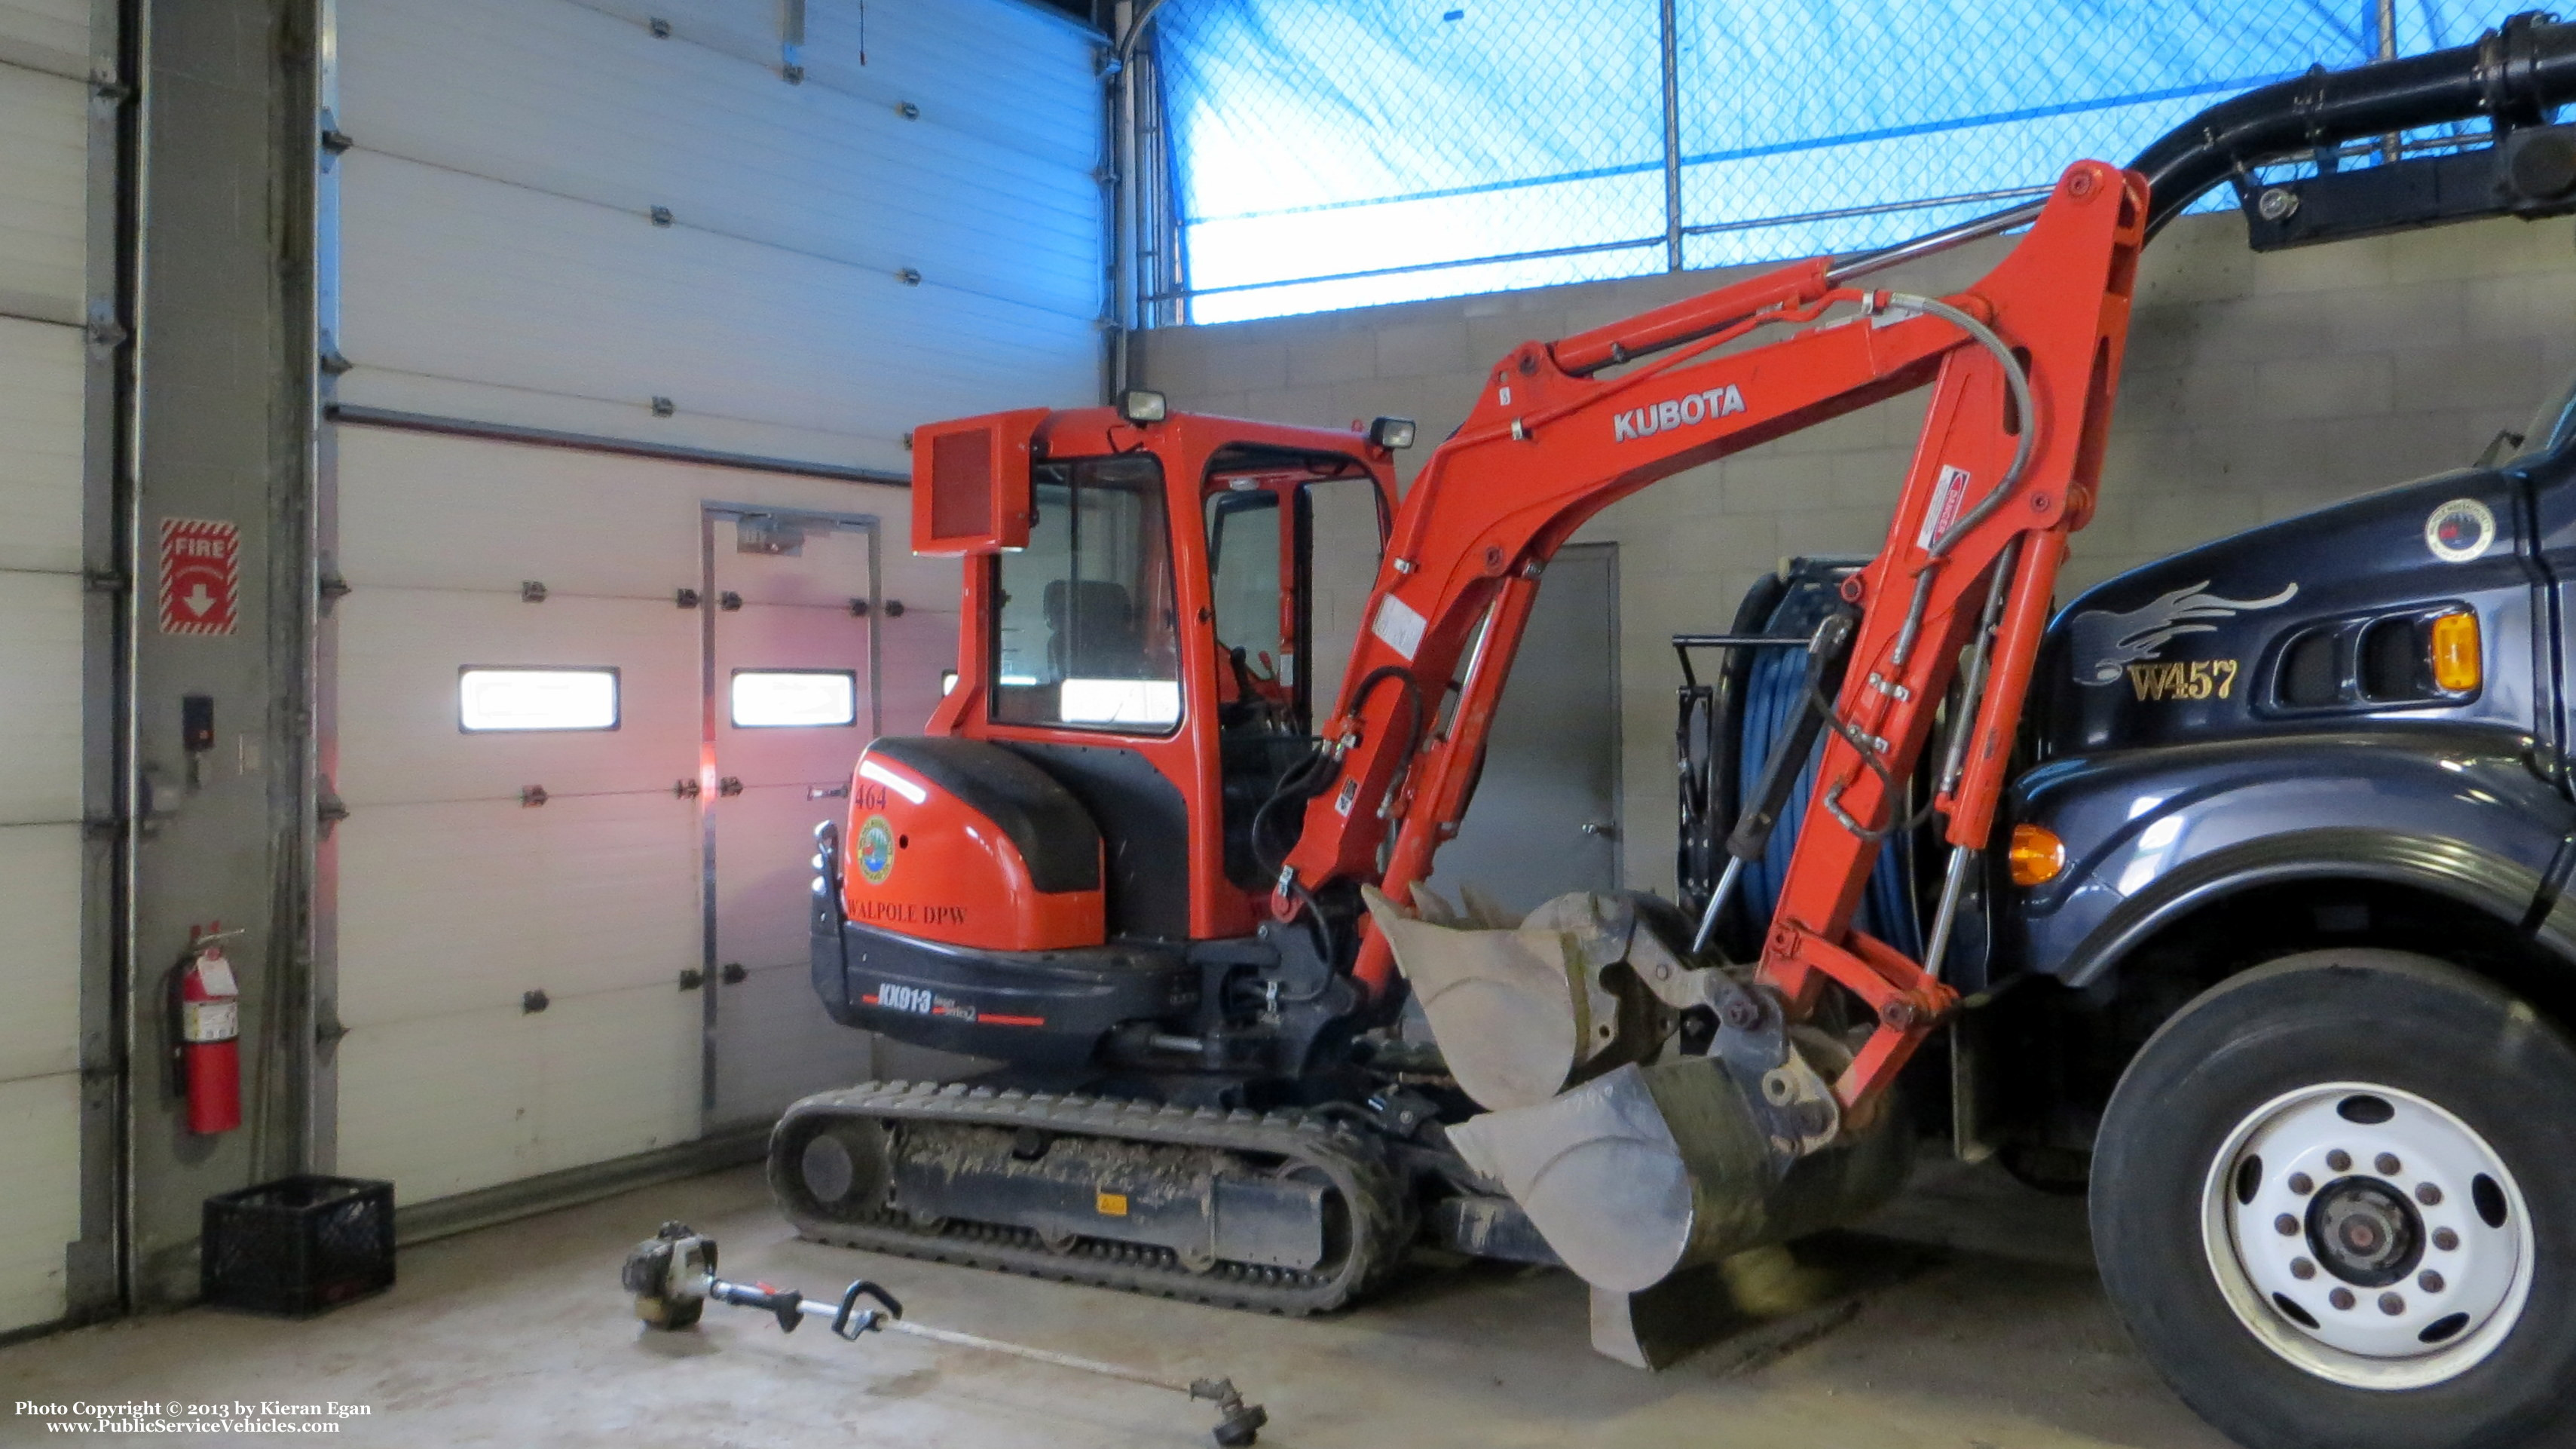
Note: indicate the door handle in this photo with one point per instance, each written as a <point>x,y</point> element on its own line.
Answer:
<point>1601,829</point>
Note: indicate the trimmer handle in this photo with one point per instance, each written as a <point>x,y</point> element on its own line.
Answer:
<point>853,1320</point>
<point>787,1303</point>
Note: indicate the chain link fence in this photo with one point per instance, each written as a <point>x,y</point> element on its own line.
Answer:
<point>1340,153</point>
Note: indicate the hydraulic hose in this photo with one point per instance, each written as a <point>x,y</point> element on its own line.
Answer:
<point>2515,74</point>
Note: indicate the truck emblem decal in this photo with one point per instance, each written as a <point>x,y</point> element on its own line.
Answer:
<point>876,850</point>
<point>1675,412</point>
<point>2184,679</point>
<point>2105,641</point>
<point>2460,530</point>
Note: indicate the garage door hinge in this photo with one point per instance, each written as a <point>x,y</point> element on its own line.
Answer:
<point>105,581</point>
<point>328,811</point>
<point>328,1029</point>
<point>332,588</point>
<point>692,978</point>
<point>100,827</point>
<point>106,333</point>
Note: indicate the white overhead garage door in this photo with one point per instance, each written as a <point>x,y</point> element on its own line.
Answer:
<point>554,218</point>
<point>44,246</point>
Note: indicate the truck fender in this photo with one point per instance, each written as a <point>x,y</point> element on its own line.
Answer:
<point>2491,884</point>
<point>2152,836</point>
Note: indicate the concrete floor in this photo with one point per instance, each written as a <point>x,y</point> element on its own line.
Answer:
<point>519,1335</point>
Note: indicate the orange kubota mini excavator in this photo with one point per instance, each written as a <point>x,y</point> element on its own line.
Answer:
<point>1130,862</point>
<point>1090,867</point>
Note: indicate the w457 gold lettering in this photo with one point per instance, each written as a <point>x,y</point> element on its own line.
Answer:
<point>2183,679</point>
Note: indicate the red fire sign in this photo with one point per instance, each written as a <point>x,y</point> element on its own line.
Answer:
<point>200,576</point>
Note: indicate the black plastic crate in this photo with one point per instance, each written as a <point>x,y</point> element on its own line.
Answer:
<point>299,1245</point>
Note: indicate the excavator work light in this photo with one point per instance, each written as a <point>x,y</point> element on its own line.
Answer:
<point>1391,433</point>
<point>2459,664</point>
<point>1137,405</point>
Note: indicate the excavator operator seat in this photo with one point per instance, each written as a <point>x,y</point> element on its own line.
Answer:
<point>1091,629</point>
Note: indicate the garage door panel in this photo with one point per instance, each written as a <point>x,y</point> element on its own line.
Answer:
<point>999,70</point>
<point>919,648</point>
<point>401,651</point>
<point>419,510</point>
<point>42,372</point>
<point>49,34</point>
<point>624,418</point>
<point>456,276</point>
<point>464,907</point>
<point>811,169</point>
<point>618,1074</point>
<point>44,195</point>
<point>764,843</point>
<point>40,1211</point>
<point>40,951</point>
<point>40,710</point>
<point>443,1105</point>
<point>779,1044</point>
<point>926,582</point>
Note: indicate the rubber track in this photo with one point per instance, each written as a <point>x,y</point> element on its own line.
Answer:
<point>1381,1211</point>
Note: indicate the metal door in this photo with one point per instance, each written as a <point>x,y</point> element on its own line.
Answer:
<point>1545,819</point>
<point>792,621</point>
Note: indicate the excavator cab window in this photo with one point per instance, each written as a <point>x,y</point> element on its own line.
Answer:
<point>1255,642</point>
<point>1086,636</point>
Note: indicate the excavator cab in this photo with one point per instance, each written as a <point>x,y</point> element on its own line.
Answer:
<point>1041,876</point>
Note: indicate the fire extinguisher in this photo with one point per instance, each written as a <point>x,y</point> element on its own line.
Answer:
<point>209,1037</point>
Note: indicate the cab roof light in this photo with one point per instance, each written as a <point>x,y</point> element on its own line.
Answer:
<point>1390,433</point>
<point>2459,660</point>
<point>1139,405</point>
<point>2035,856</point>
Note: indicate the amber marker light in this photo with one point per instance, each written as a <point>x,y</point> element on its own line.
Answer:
<point>2459,665</point>
<point>2036,856</point>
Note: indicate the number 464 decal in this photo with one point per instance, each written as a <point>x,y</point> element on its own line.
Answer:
<point>2183,679</point>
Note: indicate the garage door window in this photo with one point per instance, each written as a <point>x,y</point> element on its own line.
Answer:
<point>792,698</point>
<point>491,701</point>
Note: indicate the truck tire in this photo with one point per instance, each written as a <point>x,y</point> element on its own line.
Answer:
<point>2333,1201</point>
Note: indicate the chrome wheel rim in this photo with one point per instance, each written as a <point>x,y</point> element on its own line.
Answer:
<point>2367,1236</point>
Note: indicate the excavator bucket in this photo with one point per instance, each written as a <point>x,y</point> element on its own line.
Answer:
<point>1649,1170</point>
<point>1630,1171</point>
<point>1521,1013</point>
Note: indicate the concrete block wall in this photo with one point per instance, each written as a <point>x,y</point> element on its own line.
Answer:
<point>2256,388</point>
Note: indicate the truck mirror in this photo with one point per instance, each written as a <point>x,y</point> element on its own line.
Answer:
<point>971,490</point>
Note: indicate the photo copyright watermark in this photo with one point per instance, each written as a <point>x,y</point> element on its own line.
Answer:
<point>176,1416</point>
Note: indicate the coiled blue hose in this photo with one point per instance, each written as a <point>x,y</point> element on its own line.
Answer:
<point>1774,693</point>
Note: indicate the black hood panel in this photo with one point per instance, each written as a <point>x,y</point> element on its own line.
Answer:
<point>2197,646</point>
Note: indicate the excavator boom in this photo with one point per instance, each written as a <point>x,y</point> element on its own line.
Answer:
<point>2023,366</point>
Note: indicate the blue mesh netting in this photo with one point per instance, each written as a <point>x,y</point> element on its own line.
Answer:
<point>1337,153</point>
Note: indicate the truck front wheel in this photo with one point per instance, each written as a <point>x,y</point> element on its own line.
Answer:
<point>2334,1199</point>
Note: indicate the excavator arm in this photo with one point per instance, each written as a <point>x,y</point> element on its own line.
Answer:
<point>2022,365</point>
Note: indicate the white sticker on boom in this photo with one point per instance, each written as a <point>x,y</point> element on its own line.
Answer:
<point>1948,497</point>
<point>1398,625</point>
